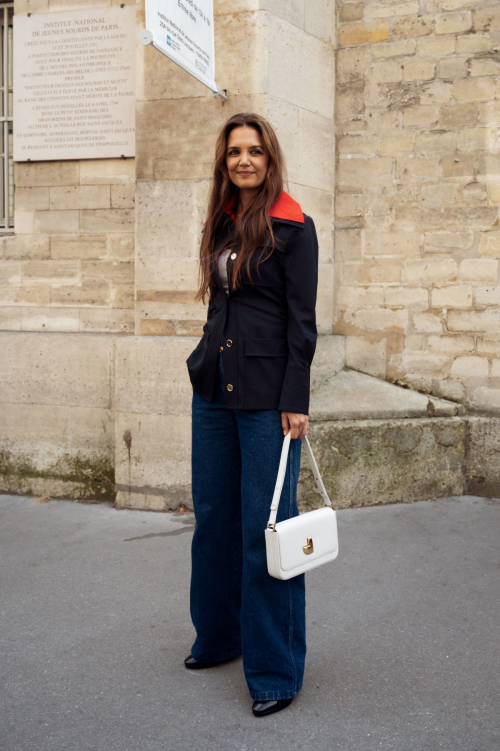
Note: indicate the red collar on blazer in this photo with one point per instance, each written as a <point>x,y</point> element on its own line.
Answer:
<point>285,208</point>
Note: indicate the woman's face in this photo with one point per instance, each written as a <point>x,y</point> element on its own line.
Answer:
<point>246,158</point>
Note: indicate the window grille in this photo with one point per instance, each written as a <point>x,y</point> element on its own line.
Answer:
<point>6,119</point>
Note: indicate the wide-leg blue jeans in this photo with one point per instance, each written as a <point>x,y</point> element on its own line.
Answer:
<point>236,606</point>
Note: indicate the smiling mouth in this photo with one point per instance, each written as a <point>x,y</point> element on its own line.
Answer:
<point>246,173</point>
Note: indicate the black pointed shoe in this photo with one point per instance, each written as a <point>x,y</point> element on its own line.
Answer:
<point>262,708</point>
<point>193,664</point>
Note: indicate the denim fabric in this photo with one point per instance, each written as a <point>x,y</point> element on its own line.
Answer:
<point>236,606</point>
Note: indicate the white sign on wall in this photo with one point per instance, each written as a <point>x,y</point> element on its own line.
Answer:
<point>74,84</point>
<point>184,31</point>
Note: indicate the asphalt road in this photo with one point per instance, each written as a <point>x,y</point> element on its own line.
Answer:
<point>403,647</point>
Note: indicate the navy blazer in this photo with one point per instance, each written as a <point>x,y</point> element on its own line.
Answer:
<point>268,327</point>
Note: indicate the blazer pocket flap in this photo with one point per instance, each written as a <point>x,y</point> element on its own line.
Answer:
<point>266,347</point>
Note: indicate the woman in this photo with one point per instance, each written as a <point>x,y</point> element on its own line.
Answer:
<point>250,374</point>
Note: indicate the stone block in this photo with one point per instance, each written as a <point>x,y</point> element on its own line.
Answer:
<point>483,450</point>
<point>89,292</point>
<point>350,102</point>
<point>352,12</point>
<point>452,344</point>
<point>32,199</point>
<point>60,271</point>
<point>488,295</point>
<point>48,173</point>
<point>82,247</point>
<point>316,136</point>
<point>440,193</point>
<point>377,319</point>
<point>386,72</point>
<point>474,89</point>
<point>151,375</point>
<point>392,243</point>
<point>484,67</point>
<point>382,270</point>
<point>107,320</point>
<point>113,271</point>
<point>427,322</point>
<point>436,92</point>
<point>458,115</point>
<point>105,172</point>
<point>420,69</point>
<point>348,245</point>
<point>412,27</point>
<point>425,363</point>
<point>363,33</point>
<point>396,144</point>
<point>304,89</point>
<point>80,197</point>
<point>436,142</point>
<point>416,167</point>
<point>51,319</point>
<point>57,221</point>
<point>443,242</point>
<point>359,297</point>
<point>487,19</point>
<point>474,43</point>
<point>479,269</point>
<point>406,297</point>
<point>349,204</point>
<point>489,345</point>
<point>63,450</point>
<point>469,366</point>
<point>106,220</point>
<point>391,9</point>
<point>453,23</point>
<point>123,196</point>
<point>56,369</point>
<point>455,165</point>
<point>24,222</point>
<point>451,68</point>
<point>474,139</point>
<point>429,270</point>
<point>437,46</point>
<point>365,172</point>
<point>22,247</point>
<point>380,461</point>
<point>10,272</point>
<point>453,296</point>
<point>351,65</point>
<point>10,319</point>
<point>420,116</point>
<point>152,470</point>
<point>394,49</point>
<point>481,321</point>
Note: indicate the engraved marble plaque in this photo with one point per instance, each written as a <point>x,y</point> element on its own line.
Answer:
<point>74,84</point>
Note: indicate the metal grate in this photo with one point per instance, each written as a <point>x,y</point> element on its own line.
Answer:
<point>6,119</point>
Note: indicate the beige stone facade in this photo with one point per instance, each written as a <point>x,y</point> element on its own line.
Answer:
<point>387,115</point>
<point>417,250</point>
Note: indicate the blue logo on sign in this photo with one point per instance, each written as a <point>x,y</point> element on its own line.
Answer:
<point>169,41</point>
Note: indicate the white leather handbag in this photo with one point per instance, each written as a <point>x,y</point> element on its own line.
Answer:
<point>300,543</point>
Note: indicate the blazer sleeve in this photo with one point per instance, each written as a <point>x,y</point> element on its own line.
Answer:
<point>301,277</point>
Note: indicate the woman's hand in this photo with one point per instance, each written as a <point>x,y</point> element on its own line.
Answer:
<point>297,423</point>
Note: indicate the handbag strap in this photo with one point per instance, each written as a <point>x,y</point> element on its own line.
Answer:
<point>282,472</point>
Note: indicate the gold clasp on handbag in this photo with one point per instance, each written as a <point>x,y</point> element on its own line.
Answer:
<point>309,548</point>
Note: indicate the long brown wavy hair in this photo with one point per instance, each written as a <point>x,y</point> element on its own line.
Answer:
<point>253,227</point>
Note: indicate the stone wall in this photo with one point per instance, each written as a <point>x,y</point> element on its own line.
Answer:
<point>418,189</point>
<point>69,267</point>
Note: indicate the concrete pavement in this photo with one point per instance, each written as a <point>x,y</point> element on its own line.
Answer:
<point>402,635</point>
